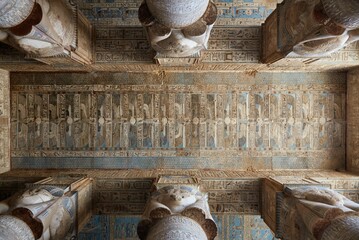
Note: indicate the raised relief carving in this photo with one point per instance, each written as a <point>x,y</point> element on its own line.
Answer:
<point>177,209</point>
<point>318,213</point>
<point>337,22</point>
<point>14,228</point>
<point>306,29</point>
<point>45,209</point>
<point>44,29</point>
<point>177,29</point>
<point>123,121</point>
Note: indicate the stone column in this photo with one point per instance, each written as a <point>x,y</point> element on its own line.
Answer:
<point>4,121</point>
<point>14,12</point>
<point>45,29</point>
<point>178,28</point>
<point>308,212</point>
<point>177,209</point>
<point>309,28</point>
<point>14,228</point>
<point>45,211</point>
<point>352,143</point>
<point>318,213</point>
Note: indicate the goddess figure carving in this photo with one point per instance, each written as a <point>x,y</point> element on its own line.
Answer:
<point>43,213</point>
<point>318,213</point>
<point>177,212</point>
<point>178,29</point>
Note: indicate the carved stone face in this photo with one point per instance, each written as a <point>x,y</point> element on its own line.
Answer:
<point>177,199</point>
<point>34,196</point>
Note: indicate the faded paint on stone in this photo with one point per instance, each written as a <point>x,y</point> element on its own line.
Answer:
<point>4,121</point>
<point>269,121</point>
<point>231,226</point>
<point>352,151</point>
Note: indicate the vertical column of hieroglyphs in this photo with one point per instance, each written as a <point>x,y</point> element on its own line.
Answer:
<point>352,156</point>
<point>4,121</point>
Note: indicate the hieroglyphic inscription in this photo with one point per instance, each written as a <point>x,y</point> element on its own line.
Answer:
<point>226,45</point>
<point>122,45</point>
<point>125,12</point>
<point>128,196</point>
<point>349,187</point>
<point>352,121</point>
<point>233,195</point>
<point>230,226</point>
<point>120,196</point>
<point>278,122</point>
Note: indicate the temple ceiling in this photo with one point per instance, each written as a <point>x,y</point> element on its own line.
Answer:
<point>119,43</point>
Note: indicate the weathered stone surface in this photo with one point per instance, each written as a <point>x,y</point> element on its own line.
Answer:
<point>52,32</point>
<point>309,29</point>
<point>14,12</point>
<point>177,208</point>
<point>176,227</point>
<point>302,208</point>
<point>352,151</point>
<point>4,121</point>
<point>178,29</point>
<point>14,228</point>
<point>177,14</point>
<point>345,12</point>
<point>231,46</point>
<point>189,122</point>
<point>231,226</point>
<point>125,12</point>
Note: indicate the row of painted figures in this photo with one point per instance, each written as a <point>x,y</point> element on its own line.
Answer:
<point>39,123</point>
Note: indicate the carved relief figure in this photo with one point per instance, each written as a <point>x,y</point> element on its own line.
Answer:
<point>318,213</point>
<point>178,29</point>
<point>180,129</point>
<point>148,123</point>
<point>49,214</point>
<point>243,118</point>
<point>82,128</point>
<point>54,141</point>
<point>289,100</point>
<point>177,212</point>
<point>117,125</point>
<point>321,27</point>
<point>43,28</point>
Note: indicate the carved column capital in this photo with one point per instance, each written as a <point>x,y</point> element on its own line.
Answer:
<point>14,12</point>
<point>177,209</point>
<point>343,12</point>
<point>309,29</point>
<point>45,30</point>
<point>177,14</point>
<point>176,227</point>
<point>14,228</point>
<point>177,29</point>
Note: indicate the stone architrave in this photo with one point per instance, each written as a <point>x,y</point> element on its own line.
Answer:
<point>46,29</point>
<point>178,29</point>
<point>309,29</point>
<point>312,212</point>
<point>352,136</point>
<point>177,210</point>
<point>4,121</point>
